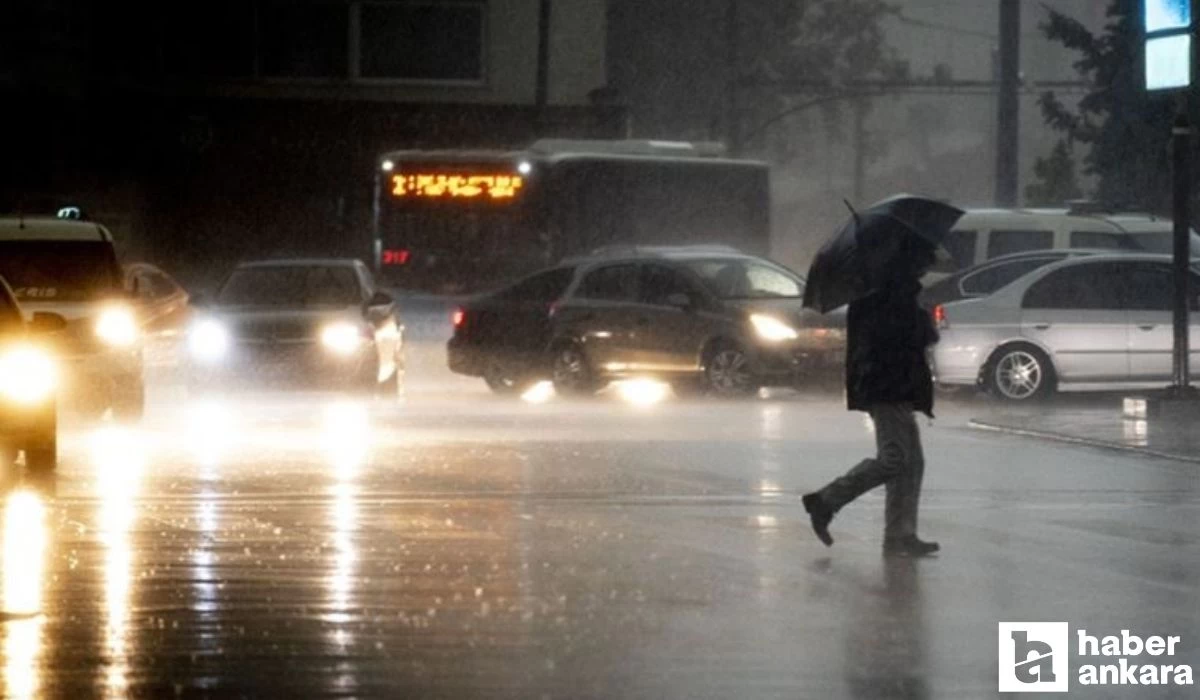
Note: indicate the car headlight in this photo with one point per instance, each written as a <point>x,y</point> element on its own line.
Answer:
<point>208,340</point>
<point>342,338</point>
<point>772,329</point>
<point>27,374</point>
<point>116,326</point>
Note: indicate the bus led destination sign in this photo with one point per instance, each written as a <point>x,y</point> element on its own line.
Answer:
<point>466,186</point>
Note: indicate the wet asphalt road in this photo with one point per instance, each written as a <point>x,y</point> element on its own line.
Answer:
<point>460,546</point>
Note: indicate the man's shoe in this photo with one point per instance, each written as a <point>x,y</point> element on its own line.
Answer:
<point>821,515</point>
<point>909,547</point>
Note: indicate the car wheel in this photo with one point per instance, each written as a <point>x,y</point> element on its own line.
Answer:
<point>572,375</point>
<point>41,451</point>
<point>1020,373</point>
<point>129,400</point>
<point>727,372</point>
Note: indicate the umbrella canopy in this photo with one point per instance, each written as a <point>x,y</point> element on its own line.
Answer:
<point>862,252</point>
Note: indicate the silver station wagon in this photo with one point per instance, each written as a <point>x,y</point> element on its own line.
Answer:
<point>1094,322</point>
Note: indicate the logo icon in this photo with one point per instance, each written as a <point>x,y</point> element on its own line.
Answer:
<point>1033,657</point>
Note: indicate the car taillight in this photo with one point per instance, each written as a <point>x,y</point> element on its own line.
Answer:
<point>458,318</point>
<point>939,316</point>
<point>552,309</point>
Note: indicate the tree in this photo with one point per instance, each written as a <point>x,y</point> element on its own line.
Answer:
<point>1126,129</point>
<point>796,50</point>
<point>1056,174</point>
<point>672,59</point>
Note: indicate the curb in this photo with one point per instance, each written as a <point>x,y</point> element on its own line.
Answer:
<point>1075,440</point>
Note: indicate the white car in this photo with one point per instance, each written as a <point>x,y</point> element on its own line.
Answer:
<point>984,234</point>
<point>69,267</point>
<point>1089,322</point>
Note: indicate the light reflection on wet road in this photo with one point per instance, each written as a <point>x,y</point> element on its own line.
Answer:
<point>461,546</point>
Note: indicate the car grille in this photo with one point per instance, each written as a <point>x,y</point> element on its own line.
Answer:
<point>275,331</point>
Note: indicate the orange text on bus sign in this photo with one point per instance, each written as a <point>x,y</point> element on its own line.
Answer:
<point>441,186</point>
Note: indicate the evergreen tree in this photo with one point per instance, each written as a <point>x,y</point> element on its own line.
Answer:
<point>1056,174</point>
<point>1126,129</point>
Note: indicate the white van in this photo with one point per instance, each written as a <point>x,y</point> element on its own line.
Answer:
<point>983,234</point>
<point>69,267</point>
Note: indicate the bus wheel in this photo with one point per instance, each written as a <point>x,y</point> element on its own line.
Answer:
<point>572,375</point>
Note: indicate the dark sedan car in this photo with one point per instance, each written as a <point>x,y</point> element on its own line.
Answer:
<point>304,322</point>
<point>704,319</point>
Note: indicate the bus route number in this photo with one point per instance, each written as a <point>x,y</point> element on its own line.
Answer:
<point>442,186</point>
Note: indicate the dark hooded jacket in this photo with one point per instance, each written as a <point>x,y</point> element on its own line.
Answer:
<point>887,334</point>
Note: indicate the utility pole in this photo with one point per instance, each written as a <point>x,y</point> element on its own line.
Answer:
<point>1181,155</point>
<point>1169,61</point>
<point>733,107</point>
<point>1008,105</point>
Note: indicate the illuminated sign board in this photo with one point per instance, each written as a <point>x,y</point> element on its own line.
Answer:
<point>1168,46</point>
<point>493,187</point>
<point>1167,14</point>
<point>395,256</point>
<point>1169,62</point>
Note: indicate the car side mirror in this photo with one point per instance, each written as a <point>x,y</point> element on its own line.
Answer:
<point>45,322</point>
<point>680,301</point>
<point>380,299</point>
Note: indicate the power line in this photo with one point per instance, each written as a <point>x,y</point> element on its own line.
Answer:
<point>949,28</point>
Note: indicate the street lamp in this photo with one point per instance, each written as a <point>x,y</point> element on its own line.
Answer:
<point>1169,59</point>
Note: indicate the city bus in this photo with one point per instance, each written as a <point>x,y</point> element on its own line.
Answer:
<point>453,221</point>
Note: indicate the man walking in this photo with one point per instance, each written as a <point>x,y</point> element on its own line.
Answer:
<point>888,377</point>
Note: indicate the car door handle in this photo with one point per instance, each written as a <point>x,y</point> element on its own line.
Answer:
<point>1041,326</point>
<point>1147,326</point>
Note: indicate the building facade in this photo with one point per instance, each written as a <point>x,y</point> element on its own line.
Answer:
<point>208,132</point>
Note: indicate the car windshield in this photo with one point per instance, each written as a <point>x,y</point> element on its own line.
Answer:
<point>735,278</point>
<point>291,285</point>
<point>59,270</point>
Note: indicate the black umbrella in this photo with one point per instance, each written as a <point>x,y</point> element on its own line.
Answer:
<point>865,248</point>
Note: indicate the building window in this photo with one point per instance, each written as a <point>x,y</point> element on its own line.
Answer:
<point>396,40</point>
<point>302,39</point>
<point>422,41</point>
